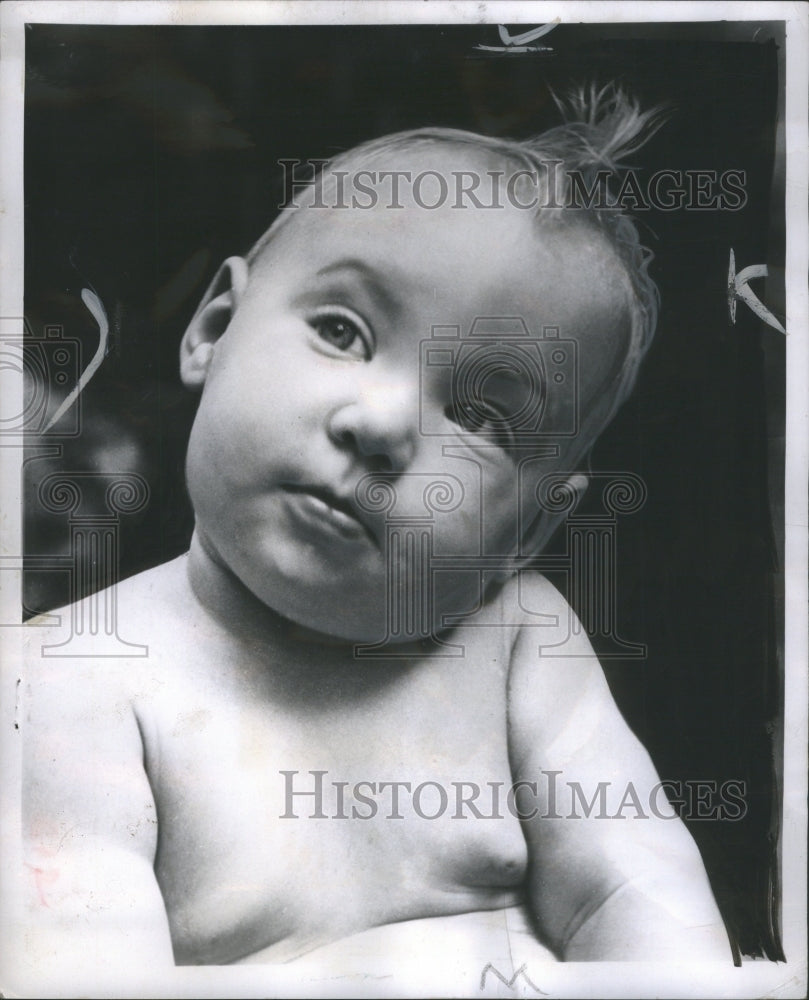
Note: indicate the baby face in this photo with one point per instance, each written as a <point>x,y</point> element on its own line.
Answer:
<point>318,383</point>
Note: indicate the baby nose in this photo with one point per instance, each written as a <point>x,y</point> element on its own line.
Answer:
<point>381,425</point>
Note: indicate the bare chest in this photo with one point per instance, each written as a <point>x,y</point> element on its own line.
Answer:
<point>290,818</point>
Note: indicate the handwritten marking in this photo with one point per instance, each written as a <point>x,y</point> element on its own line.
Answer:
<point>526,36</point>
<point>93,303</point>
<point>43,879</point>
<point>509,982</point>
<point>739,289</point>
<point>521,43</point>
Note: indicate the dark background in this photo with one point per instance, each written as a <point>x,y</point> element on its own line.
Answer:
<point>151,154</point>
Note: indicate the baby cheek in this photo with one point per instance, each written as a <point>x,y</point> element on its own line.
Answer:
<point>492,526</point>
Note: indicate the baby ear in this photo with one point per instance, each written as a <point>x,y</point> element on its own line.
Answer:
<point>545,524</point>
<point>211,320</point>
<point>578,482</point>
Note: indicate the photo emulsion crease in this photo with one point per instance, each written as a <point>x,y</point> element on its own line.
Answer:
<point>398,594</point>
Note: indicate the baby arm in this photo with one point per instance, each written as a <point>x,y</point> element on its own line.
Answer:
<point>89,827</point>
<point>611,885</point>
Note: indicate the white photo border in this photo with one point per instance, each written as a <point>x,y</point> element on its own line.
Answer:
<point>754,978</point>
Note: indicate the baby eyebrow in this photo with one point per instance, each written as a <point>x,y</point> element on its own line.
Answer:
<point>373,280</point>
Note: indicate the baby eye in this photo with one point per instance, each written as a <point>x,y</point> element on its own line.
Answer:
<point>344,331</point>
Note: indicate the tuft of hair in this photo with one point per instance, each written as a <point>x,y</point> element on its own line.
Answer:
<point>602,126</point>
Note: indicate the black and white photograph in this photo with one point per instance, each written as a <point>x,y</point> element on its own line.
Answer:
<point>403,453</point>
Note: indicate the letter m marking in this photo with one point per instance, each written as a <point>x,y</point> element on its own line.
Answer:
<point>508,982</point>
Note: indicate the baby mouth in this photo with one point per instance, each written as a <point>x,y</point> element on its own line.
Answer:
<point>322,504</point>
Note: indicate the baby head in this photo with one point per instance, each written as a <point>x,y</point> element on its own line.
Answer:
<point>399,330</point>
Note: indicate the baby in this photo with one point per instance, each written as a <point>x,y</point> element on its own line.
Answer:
<point>348,735</point>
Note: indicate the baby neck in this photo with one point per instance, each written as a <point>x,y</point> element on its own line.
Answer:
<point>225,598</point>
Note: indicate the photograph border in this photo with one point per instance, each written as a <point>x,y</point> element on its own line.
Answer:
<point>755,978</point>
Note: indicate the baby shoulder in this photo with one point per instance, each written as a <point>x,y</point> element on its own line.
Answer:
<point>84,667</point>
<point>73,700</point>
<point>554,673</point>
<point>542,621</point>
<point>123,627</point>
